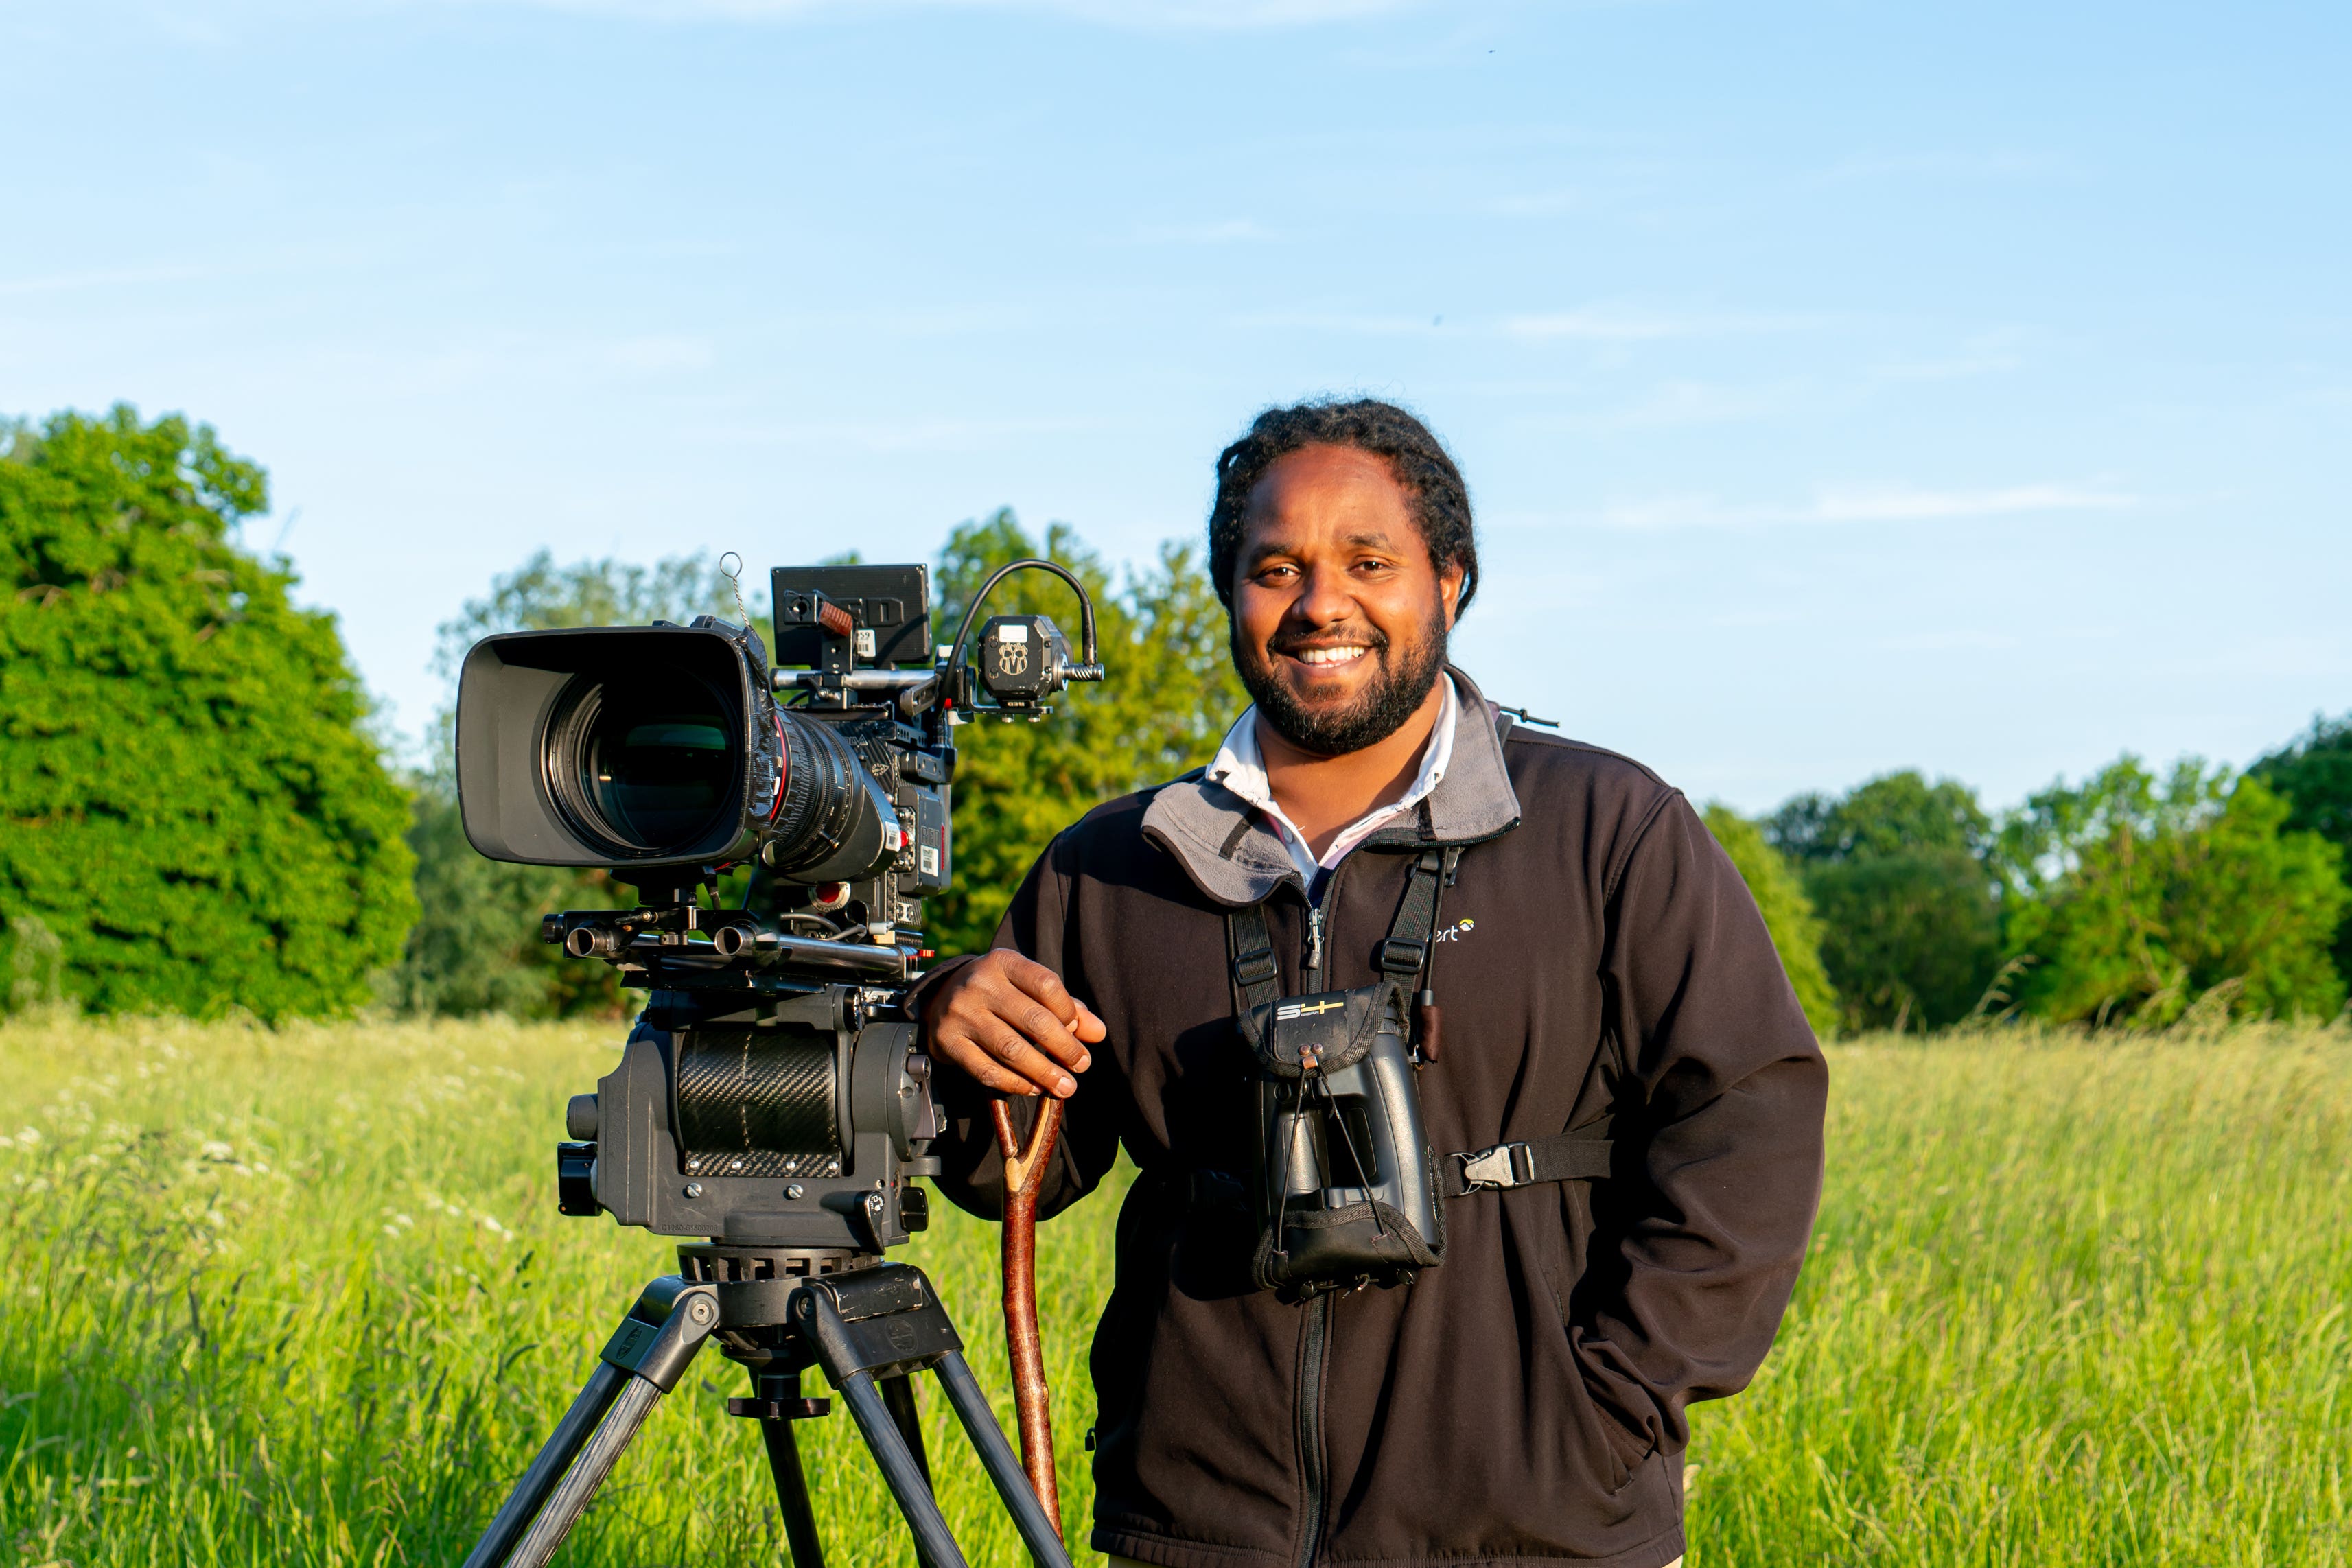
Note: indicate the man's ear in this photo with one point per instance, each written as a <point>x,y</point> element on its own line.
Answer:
<point>1449,588</point>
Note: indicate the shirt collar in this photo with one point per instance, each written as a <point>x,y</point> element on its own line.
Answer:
<point>1240,767</point>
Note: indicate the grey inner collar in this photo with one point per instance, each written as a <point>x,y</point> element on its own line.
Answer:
<point>1235,859</point>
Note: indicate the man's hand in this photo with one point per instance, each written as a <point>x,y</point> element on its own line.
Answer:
<point>1008,1021</point>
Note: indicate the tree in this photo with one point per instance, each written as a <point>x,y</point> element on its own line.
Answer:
<point>195,813</point>
<point>475,946</point>
<point>2314,772</point>
<point>2141,895</point>
<point>1788,913</point>
<point>1911,914</point>
<point>1168,697</point>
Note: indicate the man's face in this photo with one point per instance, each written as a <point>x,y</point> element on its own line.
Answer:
<point>1340,619</point>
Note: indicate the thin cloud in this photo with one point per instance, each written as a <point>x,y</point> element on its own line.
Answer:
<point>890,437</point>
<point>1863,503</point>
<point>1233,231</point>
<point>1952,165</point>
<point>1631,324</point>
<point>105,277</point>
<point>1172,15</point>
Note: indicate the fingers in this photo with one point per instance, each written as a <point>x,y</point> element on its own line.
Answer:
<point>1010,1023</point>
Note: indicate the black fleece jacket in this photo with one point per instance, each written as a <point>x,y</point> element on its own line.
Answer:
<point>1522,1403</point>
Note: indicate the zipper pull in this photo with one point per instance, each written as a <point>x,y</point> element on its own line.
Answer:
<point>1315,943</point>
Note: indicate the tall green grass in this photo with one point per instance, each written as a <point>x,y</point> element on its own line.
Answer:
<point>2068,1302</point>
<point>302,1297</point>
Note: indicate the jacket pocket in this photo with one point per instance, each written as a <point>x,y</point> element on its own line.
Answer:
<point>1615,1450</point>
<point>1627,1448</point>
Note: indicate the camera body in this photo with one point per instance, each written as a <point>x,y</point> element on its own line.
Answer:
<point>772,1095</point>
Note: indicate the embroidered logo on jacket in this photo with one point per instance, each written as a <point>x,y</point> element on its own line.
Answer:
<point>1459,928</point>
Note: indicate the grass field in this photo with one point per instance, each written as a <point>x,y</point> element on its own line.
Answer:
<point>302,1298</point>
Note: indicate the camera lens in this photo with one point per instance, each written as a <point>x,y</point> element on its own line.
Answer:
<point>649,760</point>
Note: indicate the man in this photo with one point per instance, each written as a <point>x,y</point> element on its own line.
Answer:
<point>1599,963</point>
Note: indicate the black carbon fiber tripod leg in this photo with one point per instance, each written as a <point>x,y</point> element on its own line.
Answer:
<point>896,1462</point>
<point>1038,1532</point>
<point>898,1398</point>
<point>644,1361</point>
<point>780,1394</point>
<point>530,1492</point>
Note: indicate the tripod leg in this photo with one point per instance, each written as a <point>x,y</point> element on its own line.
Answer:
<point>792,1494</point>
<point>1036,1527</point>
<point>899,1468</point>
<point>563,1446</point>
<point>570,1499</point>
<point>898,1398</point>
<point>647,1355</point>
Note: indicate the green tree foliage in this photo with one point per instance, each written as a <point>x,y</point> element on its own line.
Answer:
<point>1912,915</point>
<point>195,814</point>
<point>475,946</point>
<point>2313,771</point>
<point>1788,913</point>
<point>1170,694</point>
<point>2141,895</point>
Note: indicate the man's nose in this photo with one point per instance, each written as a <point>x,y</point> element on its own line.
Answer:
<point>1324,600</point>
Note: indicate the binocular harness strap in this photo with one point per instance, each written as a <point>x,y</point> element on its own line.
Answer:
<point>1581,1154</point>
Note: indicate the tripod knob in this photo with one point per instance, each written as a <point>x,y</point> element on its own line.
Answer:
<point>780,1409</point>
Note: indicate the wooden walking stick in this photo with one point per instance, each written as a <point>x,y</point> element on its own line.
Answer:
<point>1022,1169</point>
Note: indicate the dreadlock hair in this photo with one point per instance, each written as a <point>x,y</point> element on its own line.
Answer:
<point>1441,502</point>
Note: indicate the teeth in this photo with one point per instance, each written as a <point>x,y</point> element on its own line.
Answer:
<point>1328,655</point>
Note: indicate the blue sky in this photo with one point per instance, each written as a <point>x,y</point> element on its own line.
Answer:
<point>1843,387</point>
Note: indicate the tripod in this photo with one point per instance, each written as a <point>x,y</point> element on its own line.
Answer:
<point>868,1325</point>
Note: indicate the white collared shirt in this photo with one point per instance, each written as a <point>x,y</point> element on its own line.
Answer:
<point>1240,767</point>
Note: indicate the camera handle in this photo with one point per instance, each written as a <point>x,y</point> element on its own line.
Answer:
<point>860,1327</point>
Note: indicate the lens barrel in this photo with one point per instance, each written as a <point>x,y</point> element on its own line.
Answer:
<point>834,818</point>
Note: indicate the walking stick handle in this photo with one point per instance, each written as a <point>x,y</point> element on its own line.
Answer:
<point>1022,1169</point>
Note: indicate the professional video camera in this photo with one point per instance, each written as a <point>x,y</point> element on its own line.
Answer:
<point>772,1100</point>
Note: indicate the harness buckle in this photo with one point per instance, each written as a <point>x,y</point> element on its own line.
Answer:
<point>1402,955</point>
<point>1494,1170</point>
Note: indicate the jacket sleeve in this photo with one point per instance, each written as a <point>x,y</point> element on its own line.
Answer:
<point>1719,1127</point>
<point>972,1174</point>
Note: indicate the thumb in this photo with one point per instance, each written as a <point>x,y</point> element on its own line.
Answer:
<point>1089,1028</point>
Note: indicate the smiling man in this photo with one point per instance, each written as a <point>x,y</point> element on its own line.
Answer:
<point>1616,1100</point>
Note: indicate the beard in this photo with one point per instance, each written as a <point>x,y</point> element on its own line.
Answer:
<point>1400,684</point>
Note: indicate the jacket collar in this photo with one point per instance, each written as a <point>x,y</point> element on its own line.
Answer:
<point>1233,857</point>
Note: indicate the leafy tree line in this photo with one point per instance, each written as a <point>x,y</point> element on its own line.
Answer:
<point>2127,899</point>
<point>196,815</point>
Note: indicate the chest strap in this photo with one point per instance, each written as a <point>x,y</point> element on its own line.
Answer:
<point>1581,1153</point>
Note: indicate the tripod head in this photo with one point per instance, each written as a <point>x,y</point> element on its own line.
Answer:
<point>774,1122</point>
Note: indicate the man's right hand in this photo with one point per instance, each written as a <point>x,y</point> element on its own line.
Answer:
<point>1009,1022</point>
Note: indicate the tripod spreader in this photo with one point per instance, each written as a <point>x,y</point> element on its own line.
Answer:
<point>858,1327</point>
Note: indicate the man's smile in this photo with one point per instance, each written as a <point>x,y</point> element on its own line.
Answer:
<point>1344,655</point>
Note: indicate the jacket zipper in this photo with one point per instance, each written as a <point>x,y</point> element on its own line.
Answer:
<point>1315,1348</point>
<point>1311,1424</point>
